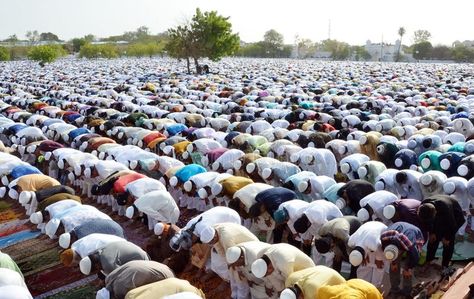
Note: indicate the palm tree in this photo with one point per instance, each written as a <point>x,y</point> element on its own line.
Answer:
<point>401,32</point>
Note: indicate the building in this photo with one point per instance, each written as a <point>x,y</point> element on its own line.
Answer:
<point>383,51</point>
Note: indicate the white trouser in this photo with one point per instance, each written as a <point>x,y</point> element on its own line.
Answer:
<point>372,274</point>
<point>219,265</point>
<point>239,287</point>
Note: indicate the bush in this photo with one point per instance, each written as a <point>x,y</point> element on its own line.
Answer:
<point>19,52</point>
<point>4,54</point>
<point>46,53</point>
<point>142,49</point>
<point>98,51</point>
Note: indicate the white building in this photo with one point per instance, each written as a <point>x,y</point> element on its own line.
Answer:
<point>383,51</point>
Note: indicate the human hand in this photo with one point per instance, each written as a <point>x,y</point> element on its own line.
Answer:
<point>379,264</point>
<point>269,292</point>
<point>394,267</point>
<point>407,273</point>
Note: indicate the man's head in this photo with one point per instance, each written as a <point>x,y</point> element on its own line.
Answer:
<point>235,256</point>
<point>262,267</point>
<point>293,292</point>
<point>302,224</point>
<point>68,257</point>
<point>427,213</point>
<point>323,244</point>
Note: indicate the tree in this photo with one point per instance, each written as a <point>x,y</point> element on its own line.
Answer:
<point>12,39</point>
<point>339,50</point>
<point>4,54</point>
<point>421,36</point>
<point>32,36</point>
<point>207,35</point>
<point>180,44</point>
<point>212,36</point>
<point>77,44</point>
<point>401,33</point>
<point>273,41</point>
<point>360,53</point>
<point>48,36</point>
<point>422,50</point>
<point>306,48</point>
<point>461,53</point>
<point>46,54</point>
<point>98,51</point>
<point>441,53</point>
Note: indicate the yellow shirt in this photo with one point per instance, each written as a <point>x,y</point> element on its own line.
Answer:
<point>352,289</point>
<point>163,288</point>
<point>310,280</point>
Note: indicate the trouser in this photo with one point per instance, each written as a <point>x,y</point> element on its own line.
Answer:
<point>239,287</point>
<point>371,274</point>
<point>396,278</point>
<point>337,265</point>
<point>278,234</point>
<point>448,251</point>
<point>219,265</point>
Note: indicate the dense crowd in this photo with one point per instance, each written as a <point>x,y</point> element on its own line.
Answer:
<point>287,179</point>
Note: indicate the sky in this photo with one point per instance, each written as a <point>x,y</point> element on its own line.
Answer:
<point>352,21</point>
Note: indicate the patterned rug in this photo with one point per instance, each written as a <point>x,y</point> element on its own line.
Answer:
<point>18,237</point>
<point>14,226</point>
<point>80,289</point>
<point>26,248</point>
<point>39,261</point>
<point>10,215</point>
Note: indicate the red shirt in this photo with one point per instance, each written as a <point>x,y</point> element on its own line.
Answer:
<point>119,185</point>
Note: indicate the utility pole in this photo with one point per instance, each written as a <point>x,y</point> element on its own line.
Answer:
<point>329,30</point>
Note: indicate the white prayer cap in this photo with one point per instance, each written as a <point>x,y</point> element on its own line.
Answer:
<point>259,268</point>
<point>207,235</point>
<point>65,240</point>
<point>355,258</point>
<point>36,218</point>
<point>85,265</point>
<point>287,294</point>
<point>389,211</point>
<point>391,252</point>
<point>129,212</point>
<point>232,254</point>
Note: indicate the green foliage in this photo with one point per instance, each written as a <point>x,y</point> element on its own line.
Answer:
<point>212,35</point>
<point>142,49</point>
<point>442,53</point>
<point>339,50</point>
<point>421,36</point>
<point>207,35</point>
<point>360,53</point>
<point>98,51</point>
<point>4,54</point>
<point>461,53</point>
<point>48,36</point>
<point>422,50</point>
<point>46,53</point>
<point>77,44</point>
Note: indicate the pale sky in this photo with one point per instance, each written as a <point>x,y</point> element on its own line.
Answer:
<point>353,21</point>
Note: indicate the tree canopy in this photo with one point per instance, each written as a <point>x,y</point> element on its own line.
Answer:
<point>420,36</point>
<point>4,54</point>
<point>46,54</point>
<point>207,35</point>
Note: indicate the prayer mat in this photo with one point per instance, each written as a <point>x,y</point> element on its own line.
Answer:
<point>4,206</point>
<point>81,289</point>
<point>14,226</point>
<point>9,215</point>
<point>18,237</point>
<point>39,262</point>
<point>55,280</point>
<point>463,251</point>
<point>26,248</point>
